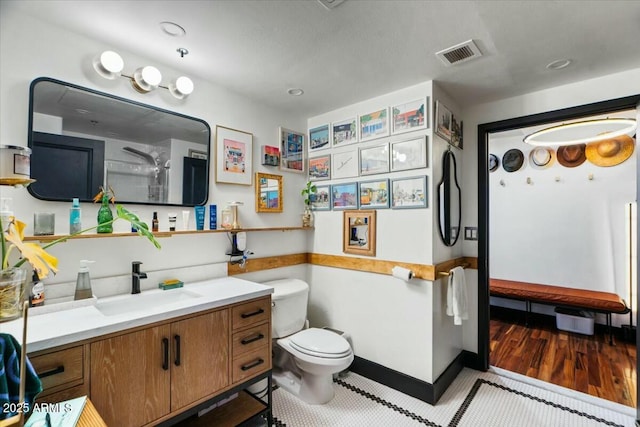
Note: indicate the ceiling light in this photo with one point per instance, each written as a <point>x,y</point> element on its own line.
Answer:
<point>559,64</point>
<point>582,132</point>
<point>172,29</point>
<point>146,79</point>
<point>295,91</point>
<point>108,64</point>
<point>181,87</point>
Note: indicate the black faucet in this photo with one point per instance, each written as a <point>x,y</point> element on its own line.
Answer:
<point>136,275</point>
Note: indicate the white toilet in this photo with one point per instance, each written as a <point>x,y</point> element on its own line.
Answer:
<point>304,359</point>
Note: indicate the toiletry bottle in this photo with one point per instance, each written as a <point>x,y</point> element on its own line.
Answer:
<point>75,225</point>
<point>83,282</point>
<point>5,211</point>
<point>36,293</point>
<point>172,222</point>
<point>154,222</point>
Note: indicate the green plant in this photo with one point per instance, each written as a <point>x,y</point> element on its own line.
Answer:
<point>307,192</point>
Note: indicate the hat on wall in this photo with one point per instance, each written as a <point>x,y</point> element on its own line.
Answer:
<point>493,162</point>
<point>512,160</point>
<point>610,152</point>
<point>542,158</point>
<point>571,156</point>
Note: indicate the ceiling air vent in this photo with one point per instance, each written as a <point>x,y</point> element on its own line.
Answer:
<point>459,53</point>
<point>330,4</point>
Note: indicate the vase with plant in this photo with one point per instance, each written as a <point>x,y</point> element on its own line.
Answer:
<point>16,252</point>
<point>309,194</point>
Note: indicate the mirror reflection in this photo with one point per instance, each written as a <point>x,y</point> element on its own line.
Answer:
<point>449,201</point>
<point>83,139</point>
<point>359,232</point>
<point>268,192</point>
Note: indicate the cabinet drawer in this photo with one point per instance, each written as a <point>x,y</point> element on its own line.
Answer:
<point>250,339</point>
<point>60,367</point>
<point>251,312</point>
<point>251,364</point>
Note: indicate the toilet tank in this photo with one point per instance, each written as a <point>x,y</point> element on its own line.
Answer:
<point>289,310</point>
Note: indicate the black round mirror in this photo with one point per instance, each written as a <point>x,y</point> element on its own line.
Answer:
<point>449,201</point>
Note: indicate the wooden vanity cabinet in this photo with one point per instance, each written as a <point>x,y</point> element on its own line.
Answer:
<point>64,373</point>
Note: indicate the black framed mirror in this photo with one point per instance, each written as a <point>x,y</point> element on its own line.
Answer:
<point>449,200</point>
<point>82,139</point>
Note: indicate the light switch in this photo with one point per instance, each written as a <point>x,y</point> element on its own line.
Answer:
<point>471,233</point>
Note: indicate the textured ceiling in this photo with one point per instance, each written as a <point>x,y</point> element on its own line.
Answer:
<point>361,48</point>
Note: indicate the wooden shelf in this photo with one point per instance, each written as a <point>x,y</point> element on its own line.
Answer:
<point>160,233</point>
<point>240,409</point>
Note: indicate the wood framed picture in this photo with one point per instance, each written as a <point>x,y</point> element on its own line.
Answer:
<point>320,168</point>
<point>292,149</point>
<point>234,150</point>
<point>374,124</point>
<point>409,192</point>
<point>374,194</point>
<point>456,132</point>
<point>374,160</point>
<point>409,154</point>
<point>359,232</point>
<point>344,196</point>
<point>319,138</point>
<point>409,116</point>
<point>344,132</point>
<point>443,121</point>
<point>344,164</point>
<point>322,199</point>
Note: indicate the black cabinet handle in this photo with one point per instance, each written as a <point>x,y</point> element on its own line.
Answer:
<point>253,313</point>
<point>165,354</point>
<point>254,338</point>
<point>177,340</point>
<point>252,364</point>
<point>58,370</point>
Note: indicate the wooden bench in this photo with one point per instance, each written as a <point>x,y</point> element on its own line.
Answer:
<point>600,302</point>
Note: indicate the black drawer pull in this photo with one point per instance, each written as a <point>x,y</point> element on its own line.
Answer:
<point>252,339</point>
<point>165,354</point>
<point>253,313</point>
<point>177,339</point>
<point>58,370</point>
<point>253,364</point>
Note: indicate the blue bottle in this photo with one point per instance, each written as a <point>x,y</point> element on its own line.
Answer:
<point>75,222</point>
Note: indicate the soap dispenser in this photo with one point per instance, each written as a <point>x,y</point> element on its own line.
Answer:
<point>83,282</point>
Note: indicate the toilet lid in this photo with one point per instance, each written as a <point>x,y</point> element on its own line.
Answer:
<point>320,343</point>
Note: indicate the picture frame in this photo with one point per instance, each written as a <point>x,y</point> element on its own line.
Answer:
<point>322,198</point>
<point>456,132</point>
<point>320,168</point>
<point>197,154</point>
<point>270,155</point>
<point>409,154</point>
<point>374,194</point>
<point>344,196</point>
<point>319,138</point>
<point>292,150</point>
<point>269,194</point>
<point>234,150</point>
<point>374,124</point>
<point>359,232</point>
<point>374,160</point>
<point>344,132</point>
<point>344,164</point>
<point>407,193</point>
<point>409,116</point>
<point>443,121</point>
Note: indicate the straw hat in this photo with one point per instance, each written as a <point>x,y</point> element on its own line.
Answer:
<point>541,158</point>
<point>494,162</point>
<point>512,160</point>
<point>610,152</point>
<point>571,156</point>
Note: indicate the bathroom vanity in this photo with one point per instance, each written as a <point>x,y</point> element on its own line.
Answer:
<point>161,358</point>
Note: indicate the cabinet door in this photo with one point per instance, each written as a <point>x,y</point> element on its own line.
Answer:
<point>129,385</point>
<point>200,357</point>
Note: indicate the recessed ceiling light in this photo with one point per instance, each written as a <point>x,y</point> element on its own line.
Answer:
<point>172,29</point>
<point>559,64</point>
<point>295,91</point>
<point>82,111</point>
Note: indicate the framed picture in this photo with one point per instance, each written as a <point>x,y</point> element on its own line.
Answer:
<point>409,116</point>
<point>270,155</point>
<point>409,154</point>
<point>374,160</point>
<point>359,232</point>
<point>374,125</point>
<point>344,132</point>
<point>409,193</point>
<point>374,194</point>
<point>234,150</point>
<point>291,150</point>
<point>344,196</point>
<point>320,168</point>
<point>197,154</point>
<point>443,121</point>
<point>344,165</point>
<point>319,138</point>
<point>456,132</point>
<point>322,199</point>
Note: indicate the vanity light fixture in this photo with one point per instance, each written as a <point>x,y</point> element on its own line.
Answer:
<point>146,79</point>
<point>582,132</point>
<point>108,64</point>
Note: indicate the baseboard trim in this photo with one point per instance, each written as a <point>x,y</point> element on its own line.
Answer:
<point>406,384</point>
<point>472,360</point>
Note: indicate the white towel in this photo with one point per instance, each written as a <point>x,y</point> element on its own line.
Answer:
<point>457,296</point>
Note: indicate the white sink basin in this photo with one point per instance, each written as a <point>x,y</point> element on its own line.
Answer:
<point>143,301</point>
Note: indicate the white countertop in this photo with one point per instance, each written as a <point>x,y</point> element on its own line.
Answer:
<point>52,329</point>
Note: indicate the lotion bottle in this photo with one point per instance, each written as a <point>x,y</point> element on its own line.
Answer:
<point>83,282</point>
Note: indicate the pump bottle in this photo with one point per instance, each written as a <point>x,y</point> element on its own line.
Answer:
<point>75,225</point>
<point>83,282</point>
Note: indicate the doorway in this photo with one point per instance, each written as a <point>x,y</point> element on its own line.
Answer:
<point>484,133</point>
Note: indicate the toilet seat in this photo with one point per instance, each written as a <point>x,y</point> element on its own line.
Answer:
<point>320,343</point>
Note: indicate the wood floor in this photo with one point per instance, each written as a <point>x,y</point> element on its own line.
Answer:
<point>580,362</point>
